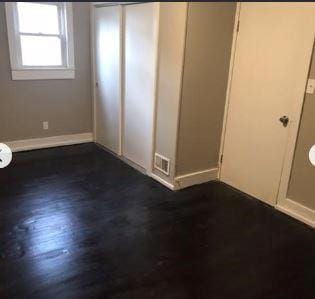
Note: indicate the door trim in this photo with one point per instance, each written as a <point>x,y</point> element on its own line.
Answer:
<point>122,79</point>
<point>293,128</point>
<point>93,81</point>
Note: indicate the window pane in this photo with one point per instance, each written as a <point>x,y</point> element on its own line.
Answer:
<point>38,18</point>
<point>41,50</point>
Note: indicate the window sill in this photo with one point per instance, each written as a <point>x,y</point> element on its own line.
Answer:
<point>47,74</point>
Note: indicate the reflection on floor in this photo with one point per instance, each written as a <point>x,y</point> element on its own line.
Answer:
<point>78,223</point>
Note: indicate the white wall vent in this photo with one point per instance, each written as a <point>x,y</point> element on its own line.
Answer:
<point>162,164</point>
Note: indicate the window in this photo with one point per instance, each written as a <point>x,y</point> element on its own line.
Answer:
<point>40,40</point>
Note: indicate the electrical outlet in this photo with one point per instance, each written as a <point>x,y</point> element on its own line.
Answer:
<point>45,125</point>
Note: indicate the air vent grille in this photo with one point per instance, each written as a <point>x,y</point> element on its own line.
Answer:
<point>162,164</point>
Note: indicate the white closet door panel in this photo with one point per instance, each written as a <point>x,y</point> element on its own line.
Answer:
<point>140,57</point>
<point>108,76</point>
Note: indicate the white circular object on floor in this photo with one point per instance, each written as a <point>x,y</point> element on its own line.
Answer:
<point>312,155</point>
<point>5,155</point>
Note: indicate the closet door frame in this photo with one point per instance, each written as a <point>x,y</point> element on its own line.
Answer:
<point>93,6</point>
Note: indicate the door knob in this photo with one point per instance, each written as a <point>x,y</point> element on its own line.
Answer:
<point>285,120</point>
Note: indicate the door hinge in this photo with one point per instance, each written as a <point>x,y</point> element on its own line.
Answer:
<point>238,26</point>
<point>221,159</point>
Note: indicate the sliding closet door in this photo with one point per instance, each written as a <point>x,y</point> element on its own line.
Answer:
<point>108,77</point>
<point>139,83</point>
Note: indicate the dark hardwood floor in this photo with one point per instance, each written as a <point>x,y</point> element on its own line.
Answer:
<point>78,223</point>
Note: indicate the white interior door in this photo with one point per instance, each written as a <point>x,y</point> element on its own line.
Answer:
<point>139,84</point>
<point>108,77</point>
<point>272,56</point>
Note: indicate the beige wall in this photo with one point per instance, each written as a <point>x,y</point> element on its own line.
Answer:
<point>207,56</point>
<point>171,52</point>
<point>302,187</point>
<point>66,104</point>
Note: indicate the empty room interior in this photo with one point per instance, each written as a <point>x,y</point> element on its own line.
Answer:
<point>157,150</point>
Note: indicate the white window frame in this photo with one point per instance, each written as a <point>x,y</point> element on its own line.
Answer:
<point>20,72</point>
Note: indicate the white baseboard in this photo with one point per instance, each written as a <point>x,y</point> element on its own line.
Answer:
<point>163,182</point>
<point>38,143</point>
<point>196,178</point>
<point>297,211</point>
